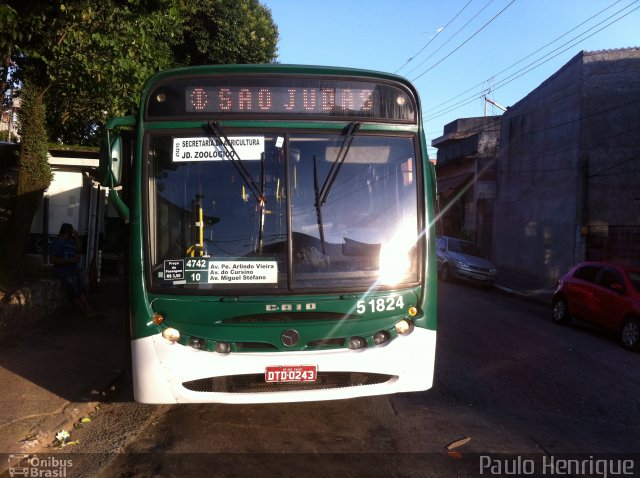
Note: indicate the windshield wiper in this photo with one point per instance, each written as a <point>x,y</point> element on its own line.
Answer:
<point>323,193</point>
<point>237,161</point>
<point>316,191</point>
<point>322,196</point>
<point>258,193</point>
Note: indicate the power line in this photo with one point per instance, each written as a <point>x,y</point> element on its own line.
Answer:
<point>533,53</point>
<point>434,37</point>
<point>464,42</point>
<point>572,40</point>
<point>524,70</point>
<point>531,66</point>
<point>450,38</point>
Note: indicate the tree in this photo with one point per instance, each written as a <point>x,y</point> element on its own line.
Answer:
<point>227,31</point>
<point>9,27</point>
<point>34,175</point>
<point>91,58</point>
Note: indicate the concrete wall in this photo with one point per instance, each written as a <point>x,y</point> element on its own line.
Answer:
<point>611,136</point>
<point>569,158</point>
<point>538,179</point>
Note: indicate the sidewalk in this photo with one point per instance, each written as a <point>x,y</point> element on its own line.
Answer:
<point>57,375</point>
<point>524,286</point>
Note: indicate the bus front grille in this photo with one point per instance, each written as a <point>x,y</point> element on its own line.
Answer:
<point>290,317</point>
<point>255,383</point>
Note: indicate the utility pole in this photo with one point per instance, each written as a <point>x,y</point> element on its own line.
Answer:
<point>489,100</point>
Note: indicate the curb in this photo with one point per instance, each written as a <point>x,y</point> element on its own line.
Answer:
<point>536,297</point>
<point>65,418</point>
<point>73,412</point>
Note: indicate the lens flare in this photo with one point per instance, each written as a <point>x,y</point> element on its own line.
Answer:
<point>395,255</point>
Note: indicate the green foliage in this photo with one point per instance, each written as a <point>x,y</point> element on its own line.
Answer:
<point>227,32</point>
<point>104,55</point>
<point>9,34</point>
<point>34,176</point>
<point>9,28</point>
<point>4,136</point>
<point>35,173</point>
<point>91,59</point>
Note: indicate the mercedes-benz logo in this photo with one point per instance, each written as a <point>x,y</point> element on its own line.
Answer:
<point>290,337</point>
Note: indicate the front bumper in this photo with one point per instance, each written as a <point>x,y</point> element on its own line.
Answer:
<point>160,370</point>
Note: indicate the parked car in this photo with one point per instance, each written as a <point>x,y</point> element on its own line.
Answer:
<point>605,294</point>
<point>460,259</point>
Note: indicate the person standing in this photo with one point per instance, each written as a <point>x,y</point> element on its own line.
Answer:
<point>65,257</point>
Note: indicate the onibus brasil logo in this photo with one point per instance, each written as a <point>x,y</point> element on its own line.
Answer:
<point>35,466</point>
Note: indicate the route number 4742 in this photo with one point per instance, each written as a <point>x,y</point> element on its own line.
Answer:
<point>381,304</point>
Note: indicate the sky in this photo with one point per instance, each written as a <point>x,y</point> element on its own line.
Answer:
<point>455,52</point>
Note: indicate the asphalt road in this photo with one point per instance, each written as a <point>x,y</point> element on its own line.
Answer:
<point>508,381</point>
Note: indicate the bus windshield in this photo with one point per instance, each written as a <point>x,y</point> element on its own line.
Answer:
<point>315,212</point>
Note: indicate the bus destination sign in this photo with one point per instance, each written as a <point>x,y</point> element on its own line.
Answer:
<point>279,99</point>
<point>294,97</point>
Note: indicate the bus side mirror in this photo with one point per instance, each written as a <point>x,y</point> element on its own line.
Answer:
<point>112,152</point>
<point>111,161</point>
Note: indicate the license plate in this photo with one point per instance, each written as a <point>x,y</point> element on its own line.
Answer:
<point>291,373</point>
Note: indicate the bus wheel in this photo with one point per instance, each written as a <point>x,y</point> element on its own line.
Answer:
<point>560,311</point>
<point>630,334</point>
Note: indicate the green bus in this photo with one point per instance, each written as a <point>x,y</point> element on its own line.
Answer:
<point>280,234</point>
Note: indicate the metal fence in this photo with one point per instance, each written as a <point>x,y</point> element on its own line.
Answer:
<point>619,244</point>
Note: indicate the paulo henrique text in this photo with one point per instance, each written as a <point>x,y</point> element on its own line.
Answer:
<point>555,466</point>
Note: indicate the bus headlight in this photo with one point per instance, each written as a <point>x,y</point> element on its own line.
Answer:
<point>404,327</point>
<point>223,347</point>
<point>171,334</point>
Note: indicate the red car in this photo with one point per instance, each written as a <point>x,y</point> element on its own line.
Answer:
<point>604,294</point>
